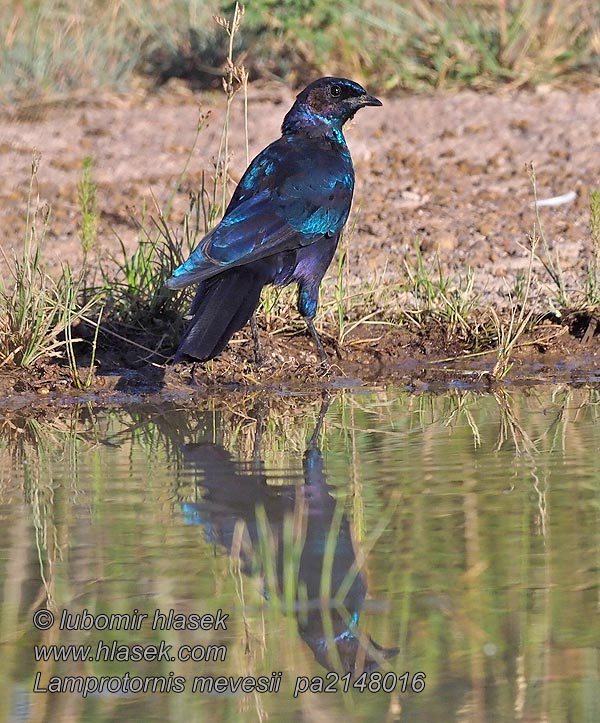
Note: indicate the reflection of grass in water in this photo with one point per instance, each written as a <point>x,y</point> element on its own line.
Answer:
<point>501,552</point>
<point>48,455</point>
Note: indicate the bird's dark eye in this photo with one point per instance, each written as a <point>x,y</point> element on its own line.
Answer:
<point>336,91</point>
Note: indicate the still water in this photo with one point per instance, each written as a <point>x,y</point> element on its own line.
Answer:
<point>375,556</point>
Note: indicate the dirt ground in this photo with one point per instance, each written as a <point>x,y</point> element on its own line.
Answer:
<point>449,170</point>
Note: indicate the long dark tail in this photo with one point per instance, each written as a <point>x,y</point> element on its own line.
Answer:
<point>222,306</point>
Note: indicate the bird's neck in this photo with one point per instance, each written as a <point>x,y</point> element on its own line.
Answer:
<point>302,120</point>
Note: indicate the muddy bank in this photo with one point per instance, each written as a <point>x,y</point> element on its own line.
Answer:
<point>291,368</point>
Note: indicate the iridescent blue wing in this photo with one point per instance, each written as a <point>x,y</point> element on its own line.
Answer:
<point>285,200</point>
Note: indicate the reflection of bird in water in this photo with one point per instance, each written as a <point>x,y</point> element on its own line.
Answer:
<point>233,491</point>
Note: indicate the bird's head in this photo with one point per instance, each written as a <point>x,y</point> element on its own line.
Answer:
<point>330,100</point>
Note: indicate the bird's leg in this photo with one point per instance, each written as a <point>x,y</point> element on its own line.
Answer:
<point>314,440</point>
<point>308,299</point>
<point>313,332</point>
<point>258,358</point>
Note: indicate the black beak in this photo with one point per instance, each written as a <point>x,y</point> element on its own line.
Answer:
<point>365,99</point>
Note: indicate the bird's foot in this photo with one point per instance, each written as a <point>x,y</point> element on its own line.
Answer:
<point>329,370</point>
<point>324,368</point>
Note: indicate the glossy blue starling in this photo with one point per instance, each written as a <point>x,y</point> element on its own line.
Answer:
<point>282,225</point>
